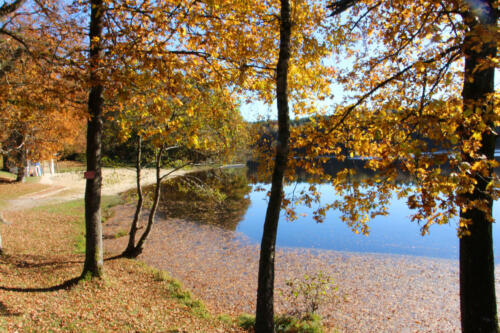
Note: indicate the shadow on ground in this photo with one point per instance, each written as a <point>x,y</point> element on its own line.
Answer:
<point>63,286</point>
<point>5,312</point>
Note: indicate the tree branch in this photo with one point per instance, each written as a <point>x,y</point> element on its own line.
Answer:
<point>387,81</point>
<point>175,169</point>
<point>7,8</point>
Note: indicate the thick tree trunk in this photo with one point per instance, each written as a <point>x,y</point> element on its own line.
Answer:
<point>477,281</point>
<point>93,251</point>
<point>264,322</point>
<point>130,250</point>
<point>151,219</point>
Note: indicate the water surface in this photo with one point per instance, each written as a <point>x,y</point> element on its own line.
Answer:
<point>392,234</point>
<point>241,207</point>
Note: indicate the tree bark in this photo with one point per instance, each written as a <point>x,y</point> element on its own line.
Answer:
<point>151,219</point>
<point>477,281</point>
<point>21,169</point>
<point>93,249</point>
<point>264,322</point>
<point>130,250</point>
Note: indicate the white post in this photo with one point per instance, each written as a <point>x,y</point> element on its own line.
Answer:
<point>51,167</point>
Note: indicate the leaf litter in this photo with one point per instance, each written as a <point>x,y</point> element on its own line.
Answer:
<point>376,292</point>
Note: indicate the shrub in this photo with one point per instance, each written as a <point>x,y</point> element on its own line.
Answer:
<point>306,295</point>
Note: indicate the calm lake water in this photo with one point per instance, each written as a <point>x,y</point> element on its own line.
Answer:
<point>245,213</point>
<point>393,234</point>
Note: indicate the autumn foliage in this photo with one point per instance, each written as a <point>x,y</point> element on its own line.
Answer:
<point>417,81</point>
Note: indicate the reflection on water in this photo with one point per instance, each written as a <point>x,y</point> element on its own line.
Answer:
<point>226,199</point>
<point>218,197</point>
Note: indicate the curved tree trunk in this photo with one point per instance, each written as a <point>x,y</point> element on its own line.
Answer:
<point>264,322</point>
<point>151,219</point>
<point>93,248</point>
<point>477,280</point>
<point>130,250</point>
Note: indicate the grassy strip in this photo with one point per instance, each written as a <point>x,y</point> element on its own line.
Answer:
<point>7,175</point>
<point>176,290</point>
<point>286,324</point>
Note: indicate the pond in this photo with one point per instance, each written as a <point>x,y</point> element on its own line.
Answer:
<point>230,201</point>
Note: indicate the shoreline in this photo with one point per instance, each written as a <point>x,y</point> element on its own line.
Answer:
<point>377,292</point>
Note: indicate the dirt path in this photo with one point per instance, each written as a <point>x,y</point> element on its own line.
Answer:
<point>69,186</point>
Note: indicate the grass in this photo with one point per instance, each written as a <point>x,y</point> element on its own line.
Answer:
<point>7,175</point>
<point>70,166</point>
<point>184,297</point>
<point>40,257</point>
<point>286,324</point>
<point>75,210</point>
<point>120,234</point>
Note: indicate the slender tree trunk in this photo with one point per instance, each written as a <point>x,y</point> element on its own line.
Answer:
<point>264,322</point>
<point>5,162</point>
<point>477,281</point>
<point>93,250</point>
<point>129,251</point>
<point>21,169</point>
<point>140,244</point>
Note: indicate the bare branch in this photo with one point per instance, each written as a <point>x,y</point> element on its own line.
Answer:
<point>175,169</point>
<point>340,6</point>
<point>15,37</point>
<point>2,151</point>
<point>387,81</point>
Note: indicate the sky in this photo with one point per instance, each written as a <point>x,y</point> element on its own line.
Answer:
<point>258,111</point>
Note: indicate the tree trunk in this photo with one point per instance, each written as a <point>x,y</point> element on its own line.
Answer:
<point>21,169</point>
<point>140,244</point>
<point>477,281</point>
<point>264,322</point>
<point>5,164</point>
<point>93,249</point>
<point>130,250</point>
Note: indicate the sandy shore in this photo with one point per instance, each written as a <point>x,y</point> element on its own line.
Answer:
<point>376,293</point>
<point>68,186</point>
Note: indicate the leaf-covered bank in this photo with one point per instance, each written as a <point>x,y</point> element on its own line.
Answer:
<point>38,292</point>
